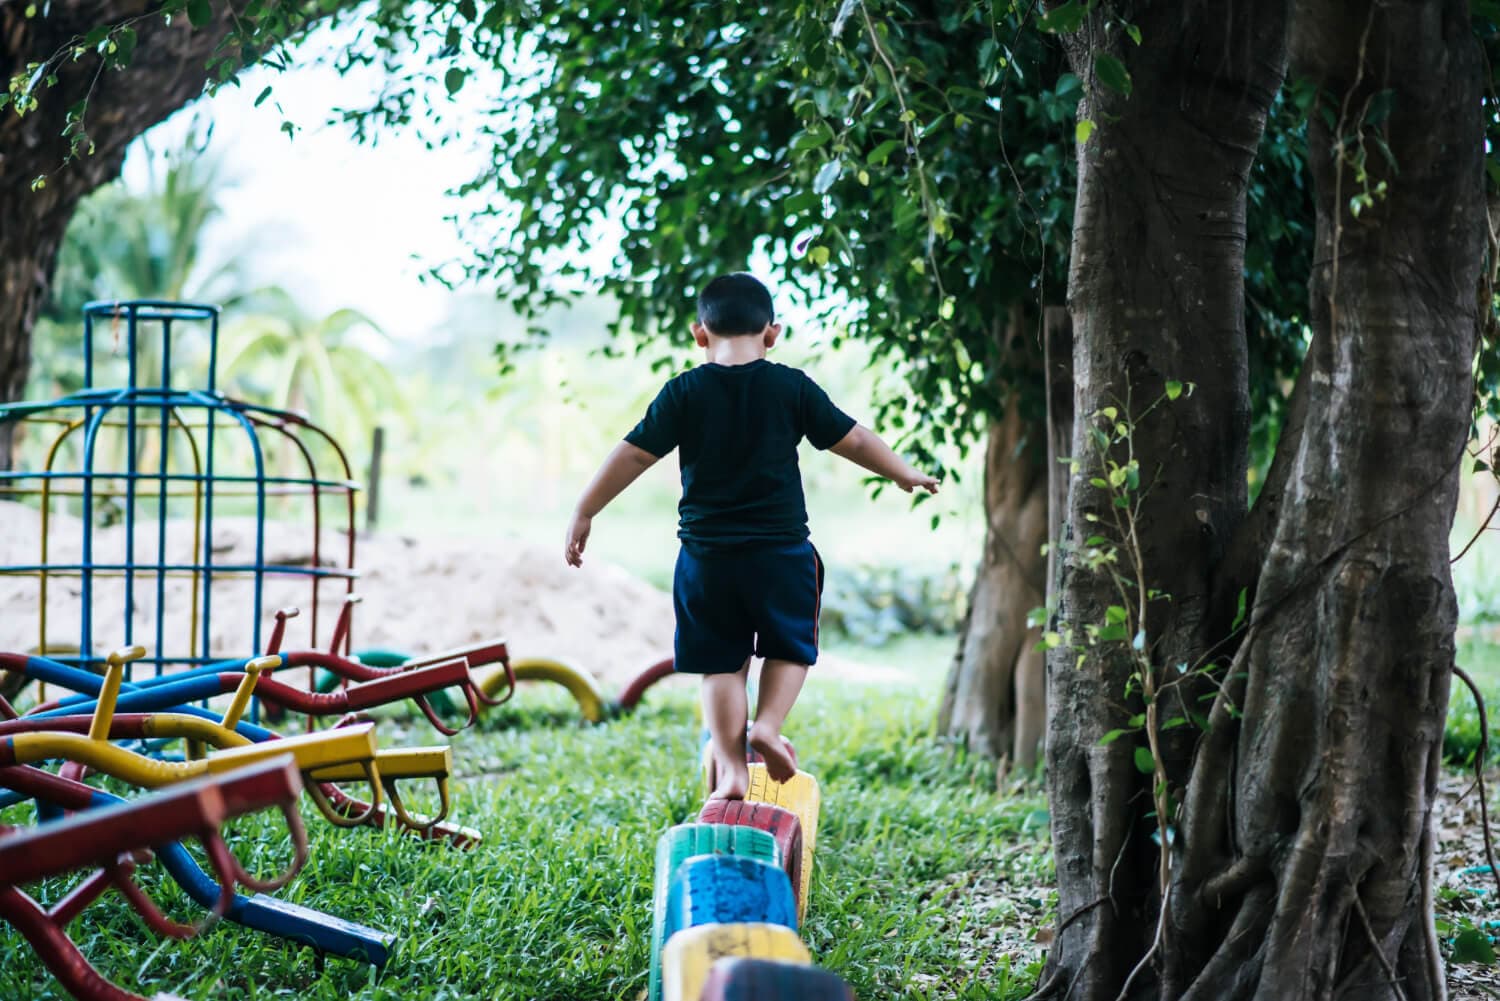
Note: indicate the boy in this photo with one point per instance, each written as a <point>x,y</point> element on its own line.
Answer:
<point>747,578</point>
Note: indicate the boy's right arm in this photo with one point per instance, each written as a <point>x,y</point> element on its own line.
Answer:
<point>864,447</point>
<point>619,470</point>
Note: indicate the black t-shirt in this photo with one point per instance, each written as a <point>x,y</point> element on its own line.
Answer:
<point>737,428</point>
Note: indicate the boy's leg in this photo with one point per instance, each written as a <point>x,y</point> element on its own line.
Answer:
<point>724,710</point>
<point>780,683</point>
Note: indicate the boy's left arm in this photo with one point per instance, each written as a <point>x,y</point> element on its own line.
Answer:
<point>619,470</point>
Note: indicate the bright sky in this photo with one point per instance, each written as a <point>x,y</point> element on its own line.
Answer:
<point>334,221</point>
<point>337,222</point>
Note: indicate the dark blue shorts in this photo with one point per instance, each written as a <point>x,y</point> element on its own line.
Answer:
<point>732,604</point>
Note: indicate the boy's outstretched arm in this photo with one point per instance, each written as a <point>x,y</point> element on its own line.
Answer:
<point>619,471</point>
<point>864,447</point>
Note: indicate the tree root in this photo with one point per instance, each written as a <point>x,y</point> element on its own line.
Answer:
<point>1479,758</point>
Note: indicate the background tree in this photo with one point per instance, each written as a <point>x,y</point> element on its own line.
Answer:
<point>1279,847</point>
<point>84,80</point>
<point>906,168</point>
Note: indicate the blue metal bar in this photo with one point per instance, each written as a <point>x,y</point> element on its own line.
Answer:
<point>130,463</point>
<point>86,618</point>
<point>161,499</point>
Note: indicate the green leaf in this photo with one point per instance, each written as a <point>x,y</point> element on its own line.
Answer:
<point>1063,20</point>
<point>200,12</point>
<point>827,176</point>
<point>260,99</point>
<point>1112,736</point>
<point>1144,763</point>
<point>816,135</point>
<point>880,154</point>
<point>1134,33</point>
<point>1083,130</point>
<point>124,45</point>
<point>454,80</point>
<point>1473,946</point>
<point>1174,723</point>
<point>1115,613</point>
<point>1174,389</point>
<point>818,255</point>
<point>1112,73</point>
<point>1239,610</point>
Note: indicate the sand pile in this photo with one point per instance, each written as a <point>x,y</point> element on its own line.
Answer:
<point>417,596</point>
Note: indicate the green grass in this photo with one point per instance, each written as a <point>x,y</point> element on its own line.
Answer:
<point>556,903</point>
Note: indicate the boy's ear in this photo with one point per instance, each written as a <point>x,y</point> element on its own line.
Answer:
<point>769,335</point>
<point>700,334</point>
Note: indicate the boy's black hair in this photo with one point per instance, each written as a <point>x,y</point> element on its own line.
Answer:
<point>734,305</point>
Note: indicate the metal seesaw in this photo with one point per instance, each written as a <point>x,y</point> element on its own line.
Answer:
<point>118,838</point>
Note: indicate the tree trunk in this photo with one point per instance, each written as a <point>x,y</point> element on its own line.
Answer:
<point>1300,854</point>
<point>1156,293</point>
<point>168,70</point>
<point>995,697</point>
<point>1307,864</point>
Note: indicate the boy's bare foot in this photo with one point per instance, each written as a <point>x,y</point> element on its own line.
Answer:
<point>774,751</point>
<point>733,782</point>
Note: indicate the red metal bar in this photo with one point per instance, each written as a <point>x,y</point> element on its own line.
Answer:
<point>634,691</point>
<point>56,950</point>
<point>97,837</point>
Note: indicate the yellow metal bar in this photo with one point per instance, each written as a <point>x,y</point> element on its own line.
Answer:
<point>580,684</point>
<point>246,688</point>
<point>109,693</point>
<point>194,729</point>
<point>311,751</point>
<point>103,757</point>
<point>338,746</point>
<point>395,763</point>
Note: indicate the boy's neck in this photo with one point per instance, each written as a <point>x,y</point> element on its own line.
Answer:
<point>735,350</point>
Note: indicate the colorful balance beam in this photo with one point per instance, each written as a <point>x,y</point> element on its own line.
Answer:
<point>686,841</point>
<point>739,914</point>
<point>740,979</point>
<point>691,953</point>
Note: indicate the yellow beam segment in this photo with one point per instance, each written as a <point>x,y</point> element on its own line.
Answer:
<point>802,797</point>
<point>692,952</point>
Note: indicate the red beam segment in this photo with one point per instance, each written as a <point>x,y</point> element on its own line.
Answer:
<point>782,824</point>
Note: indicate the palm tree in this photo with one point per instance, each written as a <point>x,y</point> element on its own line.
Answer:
<point>136,244</point>
<point>281,355</point>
